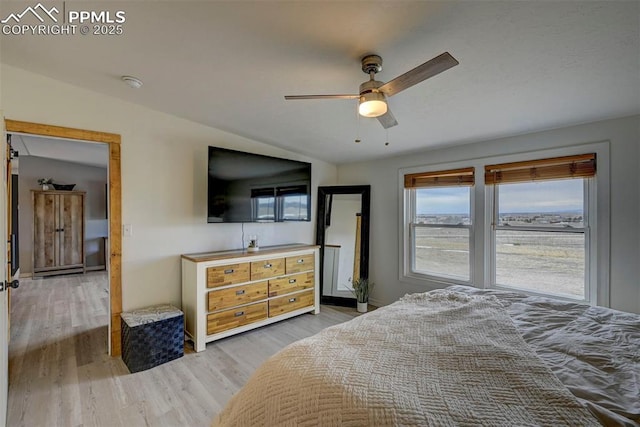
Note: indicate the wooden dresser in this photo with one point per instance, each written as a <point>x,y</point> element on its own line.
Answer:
<point>225,293</point>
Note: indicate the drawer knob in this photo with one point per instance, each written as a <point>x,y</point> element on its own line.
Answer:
<point>267,266</point>
<point>239,313</point>
<point>229,271</point>
<point>300,261</point>
<point>240,292</point>
<point>292,280</point>
<point>292,299</point>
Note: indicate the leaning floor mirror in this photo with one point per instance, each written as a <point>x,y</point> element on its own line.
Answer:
<point>342,232</point>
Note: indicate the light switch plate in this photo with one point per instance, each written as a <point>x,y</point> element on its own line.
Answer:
<point>127,230</point>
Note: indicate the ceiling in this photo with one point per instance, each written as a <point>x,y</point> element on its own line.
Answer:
<point>88,154</point>
<point>524,66</point>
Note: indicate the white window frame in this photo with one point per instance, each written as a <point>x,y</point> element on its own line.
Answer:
<point>598,268</point>
<point>589,221</point>
<point>407,243</point>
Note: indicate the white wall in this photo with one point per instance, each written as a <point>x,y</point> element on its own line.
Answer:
<point>624,135</point>
<point>90,179</point>
<point>164,180</point>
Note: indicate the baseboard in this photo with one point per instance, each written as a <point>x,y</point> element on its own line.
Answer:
<point>92,268</point>
<point>375,302</point>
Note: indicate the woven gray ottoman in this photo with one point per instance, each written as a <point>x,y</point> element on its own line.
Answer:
<point>152,336</point>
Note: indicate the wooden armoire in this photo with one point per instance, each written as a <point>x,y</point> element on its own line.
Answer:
<point>58,232</point>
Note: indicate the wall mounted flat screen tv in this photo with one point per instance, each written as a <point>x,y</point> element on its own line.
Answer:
<point>246,187</point>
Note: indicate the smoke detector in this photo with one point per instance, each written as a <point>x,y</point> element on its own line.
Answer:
<point>132,82</point>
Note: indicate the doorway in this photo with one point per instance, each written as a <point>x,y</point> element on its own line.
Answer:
<point>114,208</point>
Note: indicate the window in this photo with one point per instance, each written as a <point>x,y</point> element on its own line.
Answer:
<point>440,224</point>
<point>292,203</point>
<point>286,203</point>
<point>540,225</point>
<point>538,222</point>
<point>263,204</point>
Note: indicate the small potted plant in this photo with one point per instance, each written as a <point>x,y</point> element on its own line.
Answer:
<point>45,183</point>
<point>361,288</point>
<point>253,244</point>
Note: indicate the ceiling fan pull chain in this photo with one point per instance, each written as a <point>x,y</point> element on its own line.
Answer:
<point>357,141</point>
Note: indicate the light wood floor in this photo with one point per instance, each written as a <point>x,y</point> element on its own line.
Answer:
<point>60,373</point>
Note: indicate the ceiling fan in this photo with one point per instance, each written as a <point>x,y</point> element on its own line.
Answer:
<point>373,94</point>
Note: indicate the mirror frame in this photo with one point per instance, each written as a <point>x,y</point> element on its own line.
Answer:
<point>324,209</point>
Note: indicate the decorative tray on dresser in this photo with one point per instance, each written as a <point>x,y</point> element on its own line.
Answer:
<point>225,293</point>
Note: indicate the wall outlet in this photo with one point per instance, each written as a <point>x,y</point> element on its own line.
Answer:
<point>127,230</point>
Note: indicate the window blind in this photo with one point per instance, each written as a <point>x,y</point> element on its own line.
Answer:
<point>447,178</point>
<point>262,192</point>
<point>580,166</point>
<point>291,190</point>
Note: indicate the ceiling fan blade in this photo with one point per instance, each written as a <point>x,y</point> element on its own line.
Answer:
<point>293,97</point>
<point>387,120</point>
<point>422,72</point>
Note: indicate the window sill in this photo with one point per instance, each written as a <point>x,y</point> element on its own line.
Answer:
<point>432,282</point>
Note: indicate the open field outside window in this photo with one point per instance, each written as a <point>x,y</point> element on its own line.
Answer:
<point>539,241</point>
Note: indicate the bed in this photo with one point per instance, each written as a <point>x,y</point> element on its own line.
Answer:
<point>456,356</point>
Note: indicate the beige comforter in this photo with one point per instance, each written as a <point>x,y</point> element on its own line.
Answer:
<point>439,358</point>
<point>594,351</point>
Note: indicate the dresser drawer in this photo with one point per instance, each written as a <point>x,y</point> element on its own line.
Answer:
<point>227,275</point>
<point>238,295</point>
<point>267,268</point>
<point>289,303</point>
<point>229,319</point>
<point>290,284</point>
<point>296,264</point>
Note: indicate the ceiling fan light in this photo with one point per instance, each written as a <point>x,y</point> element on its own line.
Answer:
<point>372,104</point>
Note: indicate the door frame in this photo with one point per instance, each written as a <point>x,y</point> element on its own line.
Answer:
<point>115,209</point>
<point>4,298</point>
